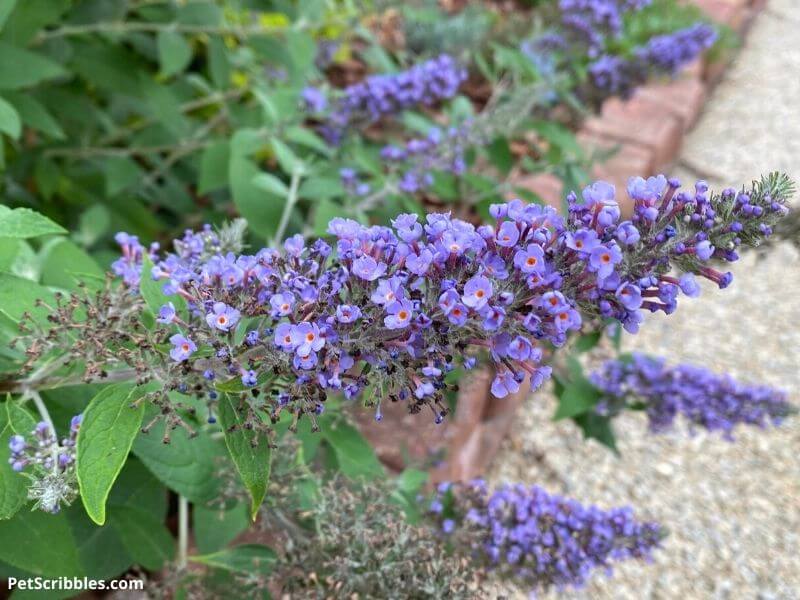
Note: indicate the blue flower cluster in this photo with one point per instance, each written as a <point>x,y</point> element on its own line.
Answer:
<point>377,96</point>
<point>397,308</point>
<point>52,464</point>
<point>662,54</point>
<point>419,157</point>
<point>589,22</point>
<point>714,402</point>
<point>538,539</point>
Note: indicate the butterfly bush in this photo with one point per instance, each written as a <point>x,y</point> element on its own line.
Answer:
<point>613,75</point>
<point>539,539</point>
<point>394,309</point>
<point>589,23</point>
<point>714,402</point>
<point>424,84</point>
<point>49,465</point>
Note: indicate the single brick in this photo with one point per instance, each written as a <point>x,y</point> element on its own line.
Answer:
<point>643,124</point>
<point>682,98</point>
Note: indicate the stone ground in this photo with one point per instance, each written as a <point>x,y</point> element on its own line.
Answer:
<point>733,509</point>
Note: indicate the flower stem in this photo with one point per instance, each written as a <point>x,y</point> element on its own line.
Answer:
<point>291,200</point>
<point>183,531</point>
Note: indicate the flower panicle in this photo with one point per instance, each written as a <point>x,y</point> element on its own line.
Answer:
<point>705,399</point>
<point>49,464</point>
<point>539,539</point>
<point>397,309</point>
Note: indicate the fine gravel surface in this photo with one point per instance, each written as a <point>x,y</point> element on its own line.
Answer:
<point>732,508</point>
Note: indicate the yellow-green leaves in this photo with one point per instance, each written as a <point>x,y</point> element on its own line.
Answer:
<point>14,420</point>
<point>106,435</point>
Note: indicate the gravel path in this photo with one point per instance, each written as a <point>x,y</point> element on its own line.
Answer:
<point>733,509</point>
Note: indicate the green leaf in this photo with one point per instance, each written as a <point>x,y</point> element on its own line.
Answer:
<point>174,52</point>
<point>578,397</point>
<point>148,541</point>
<point>34,114</point>
<point>64,264</point>
<point>411,480</point>
<point>26,223</point>
<point>6,8</point>
<point>261,209</point>
<point>184,465</point>
<point>100,550</point>
<point>214,167</point>
<point>18,295</point>
<point>598,427</point>
<point>40,543</point>
<point>20,68</point>
<point>287,159</point>
<point>588,341</point>
<point>120,173</point>
<point>137,487</point>
<point>500,155</point>
<point>152,290</point>
<point>324,211</point>
<point>271,184</point>
<point>214,528</point>
<point>14,420</point>
<point>247,558</point>
<point>249,450</point>
<point>354,455</point>
<point>106,435</point>
<point>10,123</point>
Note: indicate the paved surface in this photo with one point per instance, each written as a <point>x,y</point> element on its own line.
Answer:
<point>733,509</point>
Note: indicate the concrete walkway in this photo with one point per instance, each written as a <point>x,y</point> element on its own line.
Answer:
<point>733,509</point>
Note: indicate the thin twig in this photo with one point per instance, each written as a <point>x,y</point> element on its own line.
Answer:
<point>291,200</point>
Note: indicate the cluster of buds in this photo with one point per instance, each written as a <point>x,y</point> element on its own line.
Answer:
<point>393,310</point>
<point>378,96</point>
<point>48,464</point>
<point>539,539</point>
<point>705,399</point>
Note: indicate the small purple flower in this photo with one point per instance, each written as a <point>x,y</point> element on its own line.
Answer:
<point>627,233</point>
<point>600,192</point>
<point>166,314</point>
<point>295,245</point>
<point>629,295</point>
<point>530,260</point>
<point>504,384</point>
<point>704,250</point>
<point>306,339</point>
<point>222,317</point>
<point>567,319</point>
<point>520,348</point>
<point>399,316</point>
<point>282,304</point>
<point>283,337</point>
<point>603,258</point>
<point>458,314</point>
<point>583,240</point>
<point>388,291</point>
<point>249,378</point>
<point>314,99</point>
<point>689,285</point>
<point>419,263</point>
<point>477,292</point>
<point>508,234</point>
<point>346,313</point>
<point>368,269</point>
<point>182,347</point>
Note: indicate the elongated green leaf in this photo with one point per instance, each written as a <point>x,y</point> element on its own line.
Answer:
<point>261,209</point>
<point>64,264</point>
<point>20,67</point>
<point>26,223</point>
<point>39,543</point>
<point>184,465</point>
<point>14,420</point>
<point>214,167</point>
<point>106,435</point>
<point>271,184</point>
<point>247,558</point>
<point>146,538</point>
<point>214,529</point>
<point>250,453</point>
<point>174,53</point>
<point>10,122</point>
<point>355,456</point>
<point>18,295</point>
<point>34,114</point>
<point>577,397</point>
